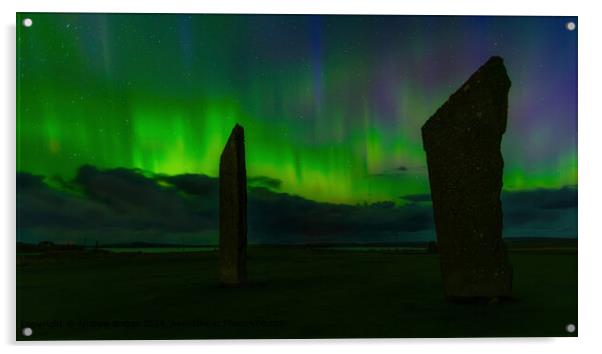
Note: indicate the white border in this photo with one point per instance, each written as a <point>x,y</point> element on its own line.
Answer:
<point>590,116</point>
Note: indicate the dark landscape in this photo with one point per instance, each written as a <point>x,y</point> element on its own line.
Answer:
<point>290,294</point>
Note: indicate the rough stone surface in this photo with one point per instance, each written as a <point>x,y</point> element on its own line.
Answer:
<point>233,210</point>
<point>462,143</point>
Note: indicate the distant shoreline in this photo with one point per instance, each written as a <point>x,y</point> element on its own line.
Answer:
<point>515,244</point>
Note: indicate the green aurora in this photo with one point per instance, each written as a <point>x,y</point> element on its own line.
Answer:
<point>331,106</point>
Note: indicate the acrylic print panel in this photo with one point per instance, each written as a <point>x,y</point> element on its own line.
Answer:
<point>303,176</point>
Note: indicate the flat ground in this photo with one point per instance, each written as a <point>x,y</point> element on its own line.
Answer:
<point>294,293</point>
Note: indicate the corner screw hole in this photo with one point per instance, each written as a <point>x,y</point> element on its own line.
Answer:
<point>27,332</point>
<point>571,26</point>
<point>570,328</point>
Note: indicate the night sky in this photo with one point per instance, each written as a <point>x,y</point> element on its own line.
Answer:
<point>331,105</point>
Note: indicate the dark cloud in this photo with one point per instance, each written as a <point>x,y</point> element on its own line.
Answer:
<point>193,184</point>
<point>141,200</point>
<point>562,198</point>
<point>416,198</point>
<point>539,212</point>
<point>264,182</point>
<point>124,205</point>
<point>38,205</point>
<point>107,203</point>
<point>28,181</point>
<point>274,214</point>
<point>401,173</point>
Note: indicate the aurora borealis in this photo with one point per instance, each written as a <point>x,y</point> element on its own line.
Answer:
<point>331,105</point>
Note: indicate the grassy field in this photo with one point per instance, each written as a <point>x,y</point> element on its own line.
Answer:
<point>294,293</point>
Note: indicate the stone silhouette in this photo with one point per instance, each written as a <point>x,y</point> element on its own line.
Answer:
<point>233,210</point>
<point>465,165</point>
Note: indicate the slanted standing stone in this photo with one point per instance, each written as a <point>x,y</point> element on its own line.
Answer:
<point>233,210</point>
<point>462,143</point>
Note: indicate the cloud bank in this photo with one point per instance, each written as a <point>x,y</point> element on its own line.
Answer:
<point>125,205</point>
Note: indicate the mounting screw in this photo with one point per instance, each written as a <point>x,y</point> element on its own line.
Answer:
<point>570,328</point>
<point>571,26</point>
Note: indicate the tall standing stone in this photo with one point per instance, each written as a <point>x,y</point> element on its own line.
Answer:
<point>462,143</point>
<point>233,210</point>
